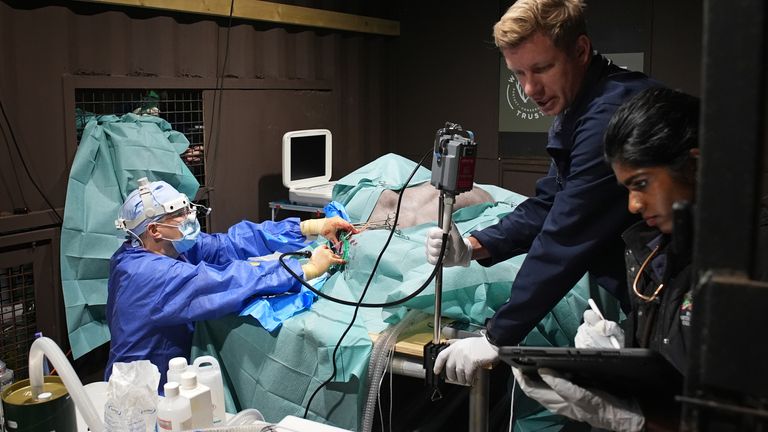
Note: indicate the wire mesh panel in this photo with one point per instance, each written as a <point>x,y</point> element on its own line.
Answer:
<point>17,317</point>
<point>182,108</point>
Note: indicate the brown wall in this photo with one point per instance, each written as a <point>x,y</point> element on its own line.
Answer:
<point>447,70</point>
<point>275,77</point>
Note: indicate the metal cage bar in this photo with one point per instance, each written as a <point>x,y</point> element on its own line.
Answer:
<point>17,316</point>
<point>182,108</point>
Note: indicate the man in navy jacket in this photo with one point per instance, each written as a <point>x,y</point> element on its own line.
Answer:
<point>574,222</point>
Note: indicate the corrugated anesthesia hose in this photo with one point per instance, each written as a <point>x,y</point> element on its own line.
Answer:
<point>379,360</point>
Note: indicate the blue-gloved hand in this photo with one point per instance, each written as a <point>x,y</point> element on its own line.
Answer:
<point>458,251</point>
<point>599,409</point>
<point>597,333</point>
<point>462,357</point>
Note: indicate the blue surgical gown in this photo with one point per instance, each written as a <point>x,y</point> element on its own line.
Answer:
<point>154,299</point>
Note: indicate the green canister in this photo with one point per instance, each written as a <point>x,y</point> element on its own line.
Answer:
<point>52,410</point>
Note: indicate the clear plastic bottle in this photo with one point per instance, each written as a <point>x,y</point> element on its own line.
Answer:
<point>176,367</point>
<point>209,374</point>
<point>174,412</point>
<point>199,399</point>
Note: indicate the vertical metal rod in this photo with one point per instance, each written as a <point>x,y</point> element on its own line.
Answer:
<point>438,281</point>
<point>478,402</point>
<point>445,215</point>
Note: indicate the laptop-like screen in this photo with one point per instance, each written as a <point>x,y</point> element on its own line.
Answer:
<point>307,157</point>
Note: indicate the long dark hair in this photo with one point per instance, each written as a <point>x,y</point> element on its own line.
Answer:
<point>657,127</point>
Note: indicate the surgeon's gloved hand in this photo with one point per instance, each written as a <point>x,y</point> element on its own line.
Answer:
<point>326,227</point>
<point>322,258</point>
<point>599,409</point>
<point>458,252</point>
<point>333,225</point>
<point>597,333</point>
<point>462,357</point>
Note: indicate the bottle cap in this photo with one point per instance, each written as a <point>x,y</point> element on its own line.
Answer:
<point>188,380</point>
<point>171,389</point>
<point>177,363</point>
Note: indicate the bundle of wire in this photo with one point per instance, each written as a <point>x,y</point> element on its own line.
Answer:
<point>342,249</point>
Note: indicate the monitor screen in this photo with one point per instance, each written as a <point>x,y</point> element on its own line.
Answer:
<point>307,157</point>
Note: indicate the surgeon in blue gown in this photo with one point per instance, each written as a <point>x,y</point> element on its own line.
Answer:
<point>168,274</point>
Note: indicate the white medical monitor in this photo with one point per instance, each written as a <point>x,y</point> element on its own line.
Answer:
<point>307,158</point>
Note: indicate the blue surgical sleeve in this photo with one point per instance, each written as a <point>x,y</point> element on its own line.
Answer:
<point>247,239</point>
<point>172,292</point>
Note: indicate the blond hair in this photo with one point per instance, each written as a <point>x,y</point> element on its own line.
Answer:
<point>560,20</point>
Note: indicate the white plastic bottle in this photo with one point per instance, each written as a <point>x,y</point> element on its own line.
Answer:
<point>209,374</point>
<point>176,367</point>
<point>174,412</point>
<point>199,400</point>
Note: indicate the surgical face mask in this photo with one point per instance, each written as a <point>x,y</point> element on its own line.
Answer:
<point>189,229</point>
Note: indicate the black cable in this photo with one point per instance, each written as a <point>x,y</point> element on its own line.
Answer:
<point>24,163</point>
<point>418,291</point>
<point>360,303</point>
<point>219,90</point>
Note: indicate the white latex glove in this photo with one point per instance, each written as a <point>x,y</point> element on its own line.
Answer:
<point>597,408</point>
<point>462,357</point>
<point>596,332</point>
<point>322,259</point>
<point>458,252</point>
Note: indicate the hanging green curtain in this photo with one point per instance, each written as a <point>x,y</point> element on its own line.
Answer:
<point>113,154</point>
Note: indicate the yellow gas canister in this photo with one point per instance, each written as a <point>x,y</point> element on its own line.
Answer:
<point>52,410</point>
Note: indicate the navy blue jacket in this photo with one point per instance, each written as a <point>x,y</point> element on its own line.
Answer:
<point>574,223</point>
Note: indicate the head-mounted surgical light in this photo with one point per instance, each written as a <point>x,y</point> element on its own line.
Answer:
<point>156,200</point>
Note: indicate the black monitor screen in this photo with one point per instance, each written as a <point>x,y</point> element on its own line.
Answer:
<point>307,157</point>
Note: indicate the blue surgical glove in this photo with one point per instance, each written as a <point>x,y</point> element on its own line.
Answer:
<point>599,409</point>
<point>462,357</point>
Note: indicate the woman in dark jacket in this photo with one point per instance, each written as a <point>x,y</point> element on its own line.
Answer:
<point>652,145</point>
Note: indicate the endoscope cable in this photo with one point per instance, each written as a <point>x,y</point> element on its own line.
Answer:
<point>418,291</point>
<point>360,302</point>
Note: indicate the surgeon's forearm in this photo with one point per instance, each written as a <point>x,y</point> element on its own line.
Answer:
<point>478,250</point>
<point>311,227</point>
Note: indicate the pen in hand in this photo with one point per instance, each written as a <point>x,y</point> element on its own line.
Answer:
<point>596,310</point>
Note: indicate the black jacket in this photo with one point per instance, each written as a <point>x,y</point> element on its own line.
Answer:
<point>662,324</point>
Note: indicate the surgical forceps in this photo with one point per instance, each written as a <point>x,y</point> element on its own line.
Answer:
<point>387,223</point>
